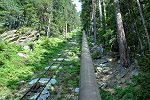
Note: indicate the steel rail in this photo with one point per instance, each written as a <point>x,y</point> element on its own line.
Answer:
<point>88,85</point>
<point>48,81</point>
<point>23,97</point>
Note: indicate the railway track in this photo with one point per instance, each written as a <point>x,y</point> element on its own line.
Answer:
<point>55,70</point>
<point>88,84</point>
<point>37,88</point>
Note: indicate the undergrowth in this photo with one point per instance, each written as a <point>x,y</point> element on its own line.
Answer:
<point>139,89</point>
<point>14,69</point>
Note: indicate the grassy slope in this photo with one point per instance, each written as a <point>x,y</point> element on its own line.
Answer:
<point>13,68</point>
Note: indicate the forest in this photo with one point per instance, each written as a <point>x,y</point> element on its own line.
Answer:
<point>41,45</point>
<point>122,26</point>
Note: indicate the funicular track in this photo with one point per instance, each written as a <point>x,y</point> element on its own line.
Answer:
<point>60,61</point>
<point>88,85</point>
<point>35,86</point>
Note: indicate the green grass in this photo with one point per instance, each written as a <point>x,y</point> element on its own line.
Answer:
<point>13,68</point>
<point>105,95</point>
<point>140,87</point>
<point>126,93</point>
<point>73,79</point>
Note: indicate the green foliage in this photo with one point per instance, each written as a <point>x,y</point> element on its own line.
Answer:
<point>143,79</point>
<point>86,14</point>
<point>105,35</point>
<point>73,72</point>
<point>139,88</point>
<point>24,30</point>
<point>105,95</point>
<point>144,63</point>
<point>44,51</point>
<point>39,14</point>
<point>135,36</point>
<point>126,93</point>
<point>13,68</point>
<point>65,13</point>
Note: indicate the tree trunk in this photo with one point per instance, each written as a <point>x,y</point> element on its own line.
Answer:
<point>140,40</point>
<point>94,20</point>
<point>124,56</point>
<point>134,25</point>
<point>144,24</point>
<point>66,27</point>
<point>91,27</point>
<point>100,13</point>
<point>104,19</point>
<point>104,11</point>
<point>49,25</point>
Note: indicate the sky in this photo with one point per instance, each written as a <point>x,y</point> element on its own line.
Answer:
<point>78,5</point>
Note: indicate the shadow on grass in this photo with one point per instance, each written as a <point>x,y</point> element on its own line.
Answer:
<point>38,65</point>
<point>48,57</point>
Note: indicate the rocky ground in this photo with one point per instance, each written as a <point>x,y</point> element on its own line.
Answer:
<point>108,72</point>
<point>21,36</point>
